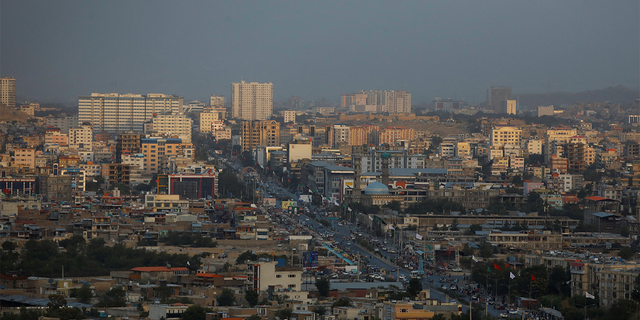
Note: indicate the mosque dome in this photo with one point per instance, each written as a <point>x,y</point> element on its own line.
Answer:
<point>376,188</point>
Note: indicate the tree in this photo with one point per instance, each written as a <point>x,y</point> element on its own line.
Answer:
<point>254,317</point>
<point>226,298</point>
<point>485,250</point>
<point>247,255</point>
<point>163,292</point>
<point>113,298</point>
<point>252,296</point>
<point>627,252</point>
<point>320,310</point>
<point>285,313</point>
<point>394,205</point>
<point>439,316</point>
<point>342,302</point>
<point>472,229</point>
<point>195,312</point>
<point>324,286</point>
<point>622,309</point>
<point>83,294</point>
<point>415,286</point>
<point>56,301</point>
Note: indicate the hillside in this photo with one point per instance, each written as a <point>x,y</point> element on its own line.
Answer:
<point>618,94</point>
<point>10,114</point>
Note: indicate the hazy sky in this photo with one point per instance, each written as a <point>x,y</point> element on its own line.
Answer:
<point>58,50</point>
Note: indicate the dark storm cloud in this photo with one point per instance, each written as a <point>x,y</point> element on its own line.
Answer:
<point>58,50</point>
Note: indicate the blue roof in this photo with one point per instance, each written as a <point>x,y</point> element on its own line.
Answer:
<point>376,188</point>
<point>602,214</point>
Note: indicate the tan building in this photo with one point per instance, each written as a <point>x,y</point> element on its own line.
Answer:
<point>81,138</point>
<point>265,274</point>
<point>505,135</point>
<point>216,101</point>
<point>25,157</point>
<point>173,125</point>
<point>260,133</point>
<point>391,134</point>
<point>508,107</point>
<point>463,150</point>
<point>289,116</point>
<point>8,91</point>
<point>206,121</point>
<point>611,281</point>
<point>499,94</point>
<point>531,240</point>
<point>555,139</point>
<point>251,100</point>
<point>158,151</point>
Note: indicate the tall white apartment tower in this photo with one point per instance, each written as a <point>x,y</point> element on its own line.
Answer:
<point>251,100</point>
<point>114,112</point>
<point>8,91</point>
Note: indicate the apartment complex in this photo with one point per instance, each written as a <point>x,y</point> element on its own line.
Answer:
<point>251,100</point>
<point>206,121</point>
<point>260,133</point>
<point>392,134</point>
<point>8,91</point>
<point>157,152</point>
<point>114,113</point>
<point>506,135</point>
<point>81,138</point>
<point>380,100</point>
<point>177,125</point>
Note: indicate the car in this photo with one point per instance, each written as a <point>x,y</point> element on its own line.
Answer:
<point>513,311</point>
<point>504,315</point>
<point>456,269</point>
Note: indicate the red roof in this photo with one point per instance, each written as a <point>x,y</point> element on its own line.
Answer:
<point>159,269</point>
<point>596,198</point>
<point>209,275</point>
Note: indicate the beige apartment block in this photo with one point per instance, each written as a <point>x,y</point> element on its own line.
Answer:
<point>25,157</point>
<point>173,125</point>
<point>206,120</point>
<point>8,91</point>
<point>251,100</point>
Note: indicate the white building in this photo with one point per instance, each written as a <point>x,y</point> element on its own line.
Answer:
<point>251,100</point>
<point>534,146</point>
<point>216,101</point>
<point>300,150</point>
<point>173,125</point>
<point>135,159</point>
<point>81,138</point>
<point>340,134</point>
<point>289,116</point>
<point>63,123</point>
<point>113,112</point>
<point>266,274</point>
<point>206,119</point>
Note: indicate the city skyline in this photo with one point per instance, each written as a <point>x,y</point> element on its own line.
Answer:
<point>314,51</point>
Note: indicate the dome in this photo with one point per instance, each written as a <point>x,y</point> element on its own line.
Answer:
<point>376,188</point>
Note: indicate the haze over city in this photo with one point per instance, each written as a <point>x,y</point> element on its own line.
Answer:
<point>60,50</point>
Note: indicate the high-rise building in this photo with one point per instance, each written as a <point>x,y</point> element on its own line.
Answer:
<point>499,94</point>
<point>295,103</point>
<point>82,137</point>
<point>260,133</point>
<point>206,121</point>
<point>251,100</point>
<point>341,133</point>
<point>114,112</point>
<point>8,91</point>
<point>158,151</point>
<point>398,101</point>
<point>555,140</point>
<point>508,107</point>
<point>173,125</point>
<point>387,101</point>
<point>392,134</point>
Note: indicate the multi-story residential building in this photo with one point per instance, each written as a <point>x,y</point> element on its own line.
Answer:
<point>206,121</point>
<point>558,164</point>
<point>530,240</point>
<point>608,160</point>
<point>127,143</point>
<point>365,134</point>
<point>341,133</point>
<point>114,112</point>
<point>534,146</point>
<point>157,152</point>
<point>252,100</point>
<point>289,116</point>
<point>372,160</point>
<point>222,134</point>
<point>25,157</point>
<point>64,123</point>
<point>398,102</point>
<point>574,153</point>
<point>499,94</point>
<point>392,134</point>
<point>81,138</point>
<point>504,134</point>
<point>260,133</point>
<point>134,160</point>
<point>8,91</point>
<point>508,107</point>
<point>447,149</point>
<point>78,177</point>
<point>463,150</point>
<point>545,111</point>
<point>55,136</point>
<point>555,139</point>
<point>56,188</point>
<point>173,125</point>
<point>266,274</point>
<point>354,99</point>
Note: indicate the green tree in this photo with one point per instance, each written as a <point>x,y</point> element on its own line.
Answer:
<point>285,313</point>
<point>252,296</point>
<point>342,302</point>
<point>394,205</point>
<point>56,301</point>
<point>472,229</point>
<point>622,309</point>
<point>324,286</point>
<point>226,298</point>
<point>320,310</point>
<point>438,316</point>
<point>247,255</point>
<point>196,312</point>
<point>113,298</point>
<point>415,286</point>
<point>83,294</point>
<point>627,252</point>
<point>485,250</point>
<point>163,292</point>
<point>254,317</point>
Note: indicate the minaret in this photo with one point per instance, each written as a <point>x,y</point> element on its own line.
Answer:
<point>385,168</point>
